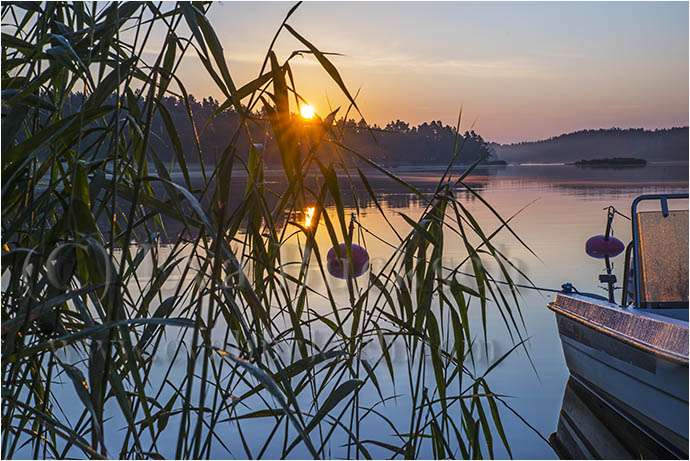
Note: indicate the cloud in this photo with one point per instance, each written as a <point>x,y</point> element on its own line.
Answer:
<point>469,67</point>
<point>395,63</point>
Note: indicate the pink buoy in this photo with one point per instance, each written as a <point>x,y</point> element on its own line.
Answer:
<point>339,267</point>
<point>599,247</point>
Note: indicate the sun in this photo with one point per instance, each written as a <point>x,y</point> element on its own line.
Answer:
<point>307,111</point>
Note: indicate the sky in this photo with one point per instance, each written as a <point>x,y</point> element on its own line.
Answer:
<point>519,71</point>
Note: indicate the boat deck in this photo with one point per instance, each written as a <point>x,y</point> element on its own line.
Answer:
<point>662,332</point>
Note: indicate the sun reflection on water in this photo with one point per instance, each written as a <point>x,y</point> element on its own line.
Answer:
<point>308,216</point>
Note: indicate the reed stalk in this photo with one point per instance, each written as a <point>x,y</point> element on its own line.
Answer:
<point>92,301</point>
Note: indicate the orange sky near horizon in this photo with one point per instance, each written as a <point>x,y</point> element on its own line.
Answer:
<point>519,71</point>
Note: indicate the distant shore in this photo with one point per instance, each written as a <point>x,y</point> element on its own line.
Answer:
<point>611,162</point>
<point>195,169</point>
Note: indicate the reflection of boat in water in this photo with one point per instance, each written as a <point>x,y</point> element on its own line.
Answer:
<point>590,428</point>
<point>634,356</point>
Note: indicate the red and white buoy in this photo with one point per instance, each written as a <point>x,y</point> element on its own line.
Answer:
<point>339,267</point>
<point>601,246</point>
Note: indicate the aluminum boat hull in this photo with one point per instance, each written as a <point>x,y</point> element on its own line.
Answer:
<point>635,361</point>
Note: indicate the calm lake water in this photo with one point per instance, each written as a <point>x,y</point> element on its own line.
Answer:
<point>564,207</point>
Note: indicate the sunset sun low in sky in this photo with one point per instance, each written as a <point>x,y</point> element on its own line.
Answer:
<point>307,111</point>
<point>519,70</point>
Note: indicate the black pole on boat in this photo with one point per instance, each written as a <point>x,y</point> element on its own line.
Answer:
<point>609,220</point>
<point>609,279</point>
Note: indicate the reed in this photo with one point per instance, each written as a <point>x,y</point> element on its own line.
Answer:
<point>85,200</point>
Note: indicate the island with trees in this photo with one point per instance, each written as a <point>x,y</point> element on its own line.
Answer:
<point>615,162</point>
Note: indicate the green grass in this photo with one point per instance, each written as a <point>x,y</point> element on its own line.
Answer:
<point>87,178</point>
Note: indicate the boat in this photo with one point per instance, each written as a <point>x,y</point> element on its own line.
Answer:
<point>632,355</point>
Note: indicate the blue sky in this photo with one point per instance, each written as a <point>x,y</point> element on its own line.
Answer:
<point>519,70</point>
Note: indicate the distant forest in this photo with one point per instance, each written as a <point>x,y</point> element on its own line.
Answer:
<point>397,143</point>
<point>664,144</point>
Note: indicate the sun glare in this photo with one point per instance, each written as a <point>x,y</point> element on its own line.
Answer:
<point>307,111</point>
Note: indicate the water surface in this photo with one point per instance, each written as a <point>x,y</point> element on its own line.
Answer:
<point>564,207</point>
<point>556,209</point>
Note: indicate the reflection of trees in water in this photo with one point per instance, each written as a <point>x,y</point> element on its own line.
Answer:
<point>571,175</point>
<point>390,194</point>
<point>562,180</point>
<point>615,191</point>
<point>402,198</point>
<point>597,183</point>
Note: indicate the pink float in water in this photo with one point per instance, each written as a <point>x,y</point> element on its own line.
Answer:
<point>340,267</point>
<point>599,247</point>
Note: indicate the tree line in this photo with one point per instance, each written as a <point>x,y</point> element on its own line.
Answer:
<point>659,144</point>
<point>397,143</point>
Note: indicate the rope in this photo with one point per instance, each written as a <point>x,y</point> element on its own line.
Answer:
<point>611,208</point>
<point>566,288</point>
